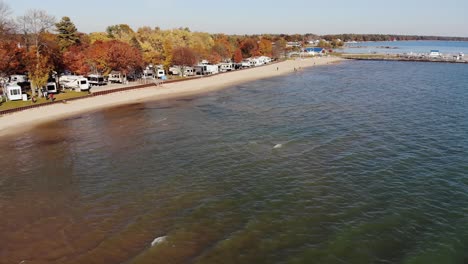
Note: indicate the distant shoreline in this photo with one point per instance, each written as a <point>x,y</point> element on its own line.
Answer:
<point>25,120</point>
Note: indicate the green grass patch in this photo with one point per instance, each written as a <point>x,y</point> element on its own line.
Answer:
<point>58,97</point>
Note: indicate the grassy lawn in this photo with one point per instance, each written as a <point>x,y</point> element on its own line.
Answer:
<point>62,96</point>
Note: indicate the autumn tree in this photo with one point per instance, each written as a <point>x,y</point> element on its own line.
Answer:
<point>123,57</point>
<point>248,47</point>
<point>39,69</point>
<point>105,56</point>
<point>237,56</point>
<point>75,60</point>
<point>121,32</point>
<point>265,47</point>
<point>12,58</point>
<point>183,57</point>
<point>67,33</point>
<point>33,25</point>
<point>222,47</point>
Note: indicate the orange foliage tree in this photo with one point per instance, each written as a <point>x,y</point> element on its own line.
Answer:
<point>249,47</point>
<point>265,47</point>
<point>74,60</point>
<point>237,56</point>
<point>123,57</point>
<point>12,58</point>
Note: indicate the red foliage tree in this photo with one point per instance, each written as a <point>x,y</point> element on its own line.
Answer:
<point>237,56</point>
<point>74,59</point>
<point>124,57</point>
<point>105,56</point>
<point>12,58</point>
<point>249,47</point>
<point>183,57</point>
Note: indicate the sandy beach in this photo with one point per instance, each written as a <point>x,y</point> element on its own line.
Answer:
<point>23,120</point>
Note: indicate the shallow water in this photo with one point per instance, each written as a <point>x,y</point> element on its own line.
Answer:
<point>361,162</point>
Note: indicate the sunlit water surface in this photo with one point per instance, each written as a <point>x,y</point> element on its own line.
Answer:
<point>361,162</point>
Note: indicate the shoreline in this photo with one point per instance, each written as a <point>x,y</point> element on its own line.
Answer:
<point>29,118</point>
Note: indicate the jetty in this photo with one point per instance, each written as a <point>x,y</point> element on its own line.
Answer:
<point>410,57</point>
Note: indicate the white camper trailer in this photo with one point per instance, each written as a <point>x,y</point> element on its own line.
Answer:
<point>51,87</point>
<point>226,66</point>
<point>246,63</point>
<point>74,82</point>
<point>160,73</point>
<point>96,80</point>
<point>117,77</point>
<point>148,73</point>
<point>18,78</point>
<point>13,92</point>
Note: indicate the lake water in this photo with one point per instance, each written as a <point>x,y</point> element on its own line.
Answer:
<point>400,47</point>
<point>361,162</point>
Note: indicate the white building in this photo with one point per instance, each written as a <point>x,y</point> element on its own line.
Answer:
<point>434,54</point>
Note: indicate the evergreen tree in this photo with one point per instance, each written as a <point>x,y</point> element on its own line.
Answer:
<point>67,33</point>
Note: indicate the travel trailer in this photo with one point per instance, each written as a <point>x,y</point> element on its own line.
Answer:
<point>148,73</point>
<point>117,77</point>
<point>74,82</point>
<point>51,87</point>
<point>177,70</point>
<point>18,78</point>
<point>225,67</point>
<point>206,69</point>
<point>96,80</point>
<point>246,63</point>
<point>13,92</point>
<point>160,73</point>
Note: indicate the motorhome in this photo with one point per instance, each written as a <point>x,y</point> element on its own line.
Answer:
<point>13,92</point>
<point>96,80</point>
<point>117,77</point>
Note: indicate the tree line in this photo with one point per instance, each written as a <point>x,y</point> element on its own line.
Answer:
<point>387,37</point>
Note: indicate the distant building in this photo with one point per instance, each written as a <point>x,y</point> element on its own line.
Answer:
<point>434,53</point>
<point>314,50</point>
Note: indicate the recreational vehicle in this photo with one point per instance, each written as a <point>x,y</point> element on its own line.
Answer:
<point>206,69</point>
<point>18,78</point>
<point>51,87</point>
<point>96,80</point>
<point>13,92</point>
<point>74,82</point>
<point>117,77</point>
<point>246,63</point>
<point>225,67</point>
<point>160,73</point>
<point>182,71</point>
<point>148,73</point>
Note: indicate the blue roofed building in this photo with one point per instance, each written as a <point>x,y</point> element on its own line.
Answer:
<point>314,50</point>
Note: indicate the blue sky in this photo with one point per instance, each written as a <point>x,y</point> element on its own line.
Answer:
<point>444,18</point>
